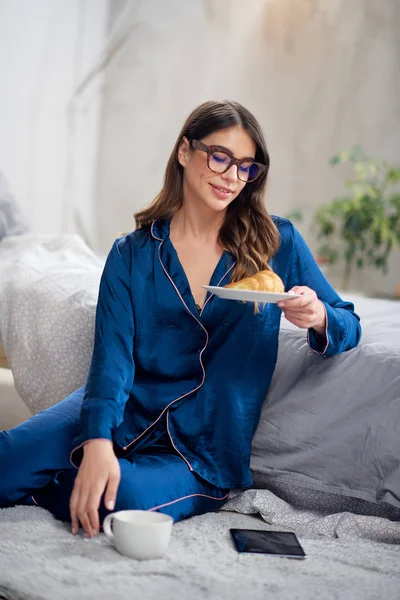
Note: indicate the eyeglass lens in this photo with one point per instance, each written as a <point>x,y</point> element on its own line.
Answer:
<point>219,163</point>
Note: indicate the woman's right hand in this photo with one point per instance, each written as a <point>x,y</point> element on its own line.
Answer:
<point>99,471</point>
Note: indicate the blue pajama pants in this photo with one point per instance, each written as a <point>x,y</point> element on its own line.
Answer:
<point>35,468</point>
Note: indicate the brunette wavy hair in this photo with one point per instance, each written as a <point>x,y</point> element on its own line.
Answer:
<point>247,232</point>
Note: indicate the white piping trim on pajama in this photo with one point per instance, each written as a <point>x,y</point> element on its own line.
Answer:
<point>201,363</point>
<point>200,358</point>
<point>176,399</point>
<point>172,442</point>
<point>211,295</point>
<point>200,355</point>
<point>201,352</point>
<point>177,291</point>
<point>185,498</point>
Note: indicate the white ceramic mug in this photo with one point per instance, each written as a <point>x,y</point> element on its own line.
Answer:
<point>139,534</point>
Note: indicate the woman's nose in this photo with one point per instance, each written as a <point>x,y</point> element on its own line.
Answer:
<point>231,174</point>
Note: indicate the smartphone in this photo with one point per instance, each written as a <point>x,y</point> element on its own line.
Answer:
<point>261,541</point>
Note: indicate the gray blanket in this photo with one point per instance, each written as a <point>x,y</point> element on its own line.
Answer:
<point>350,520</point>
<point>40,559</point>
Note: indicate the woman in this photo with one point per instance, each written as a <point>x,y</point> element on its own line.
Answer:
<point>178,376</point>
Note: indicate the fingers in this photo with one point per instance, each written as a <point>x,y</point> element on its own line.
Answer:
<point>75,506</point>
<point>306,312</point>
<point>84,508</point>
<point>306,320</point>
<point>300,289</point>
<point>73,509</point>
<point>303,303</point>
<point>84,505</point>
<point>99,472</point>
<point>302,324</point>
<point>306,309</point>
<point>111,492</point>
<point>85,521</point>
<point>92,515</point>
<point>91,510</point>
<point>306,296</point>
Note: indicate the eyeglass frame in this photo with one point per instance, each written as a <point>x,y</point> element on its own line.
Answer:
<point>210,150</point>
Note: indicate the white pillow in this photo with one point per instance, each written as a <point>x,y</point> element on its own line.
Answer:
<point>48,295</point>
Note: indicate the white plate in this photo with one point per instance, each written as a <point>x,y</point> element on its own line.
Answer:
<point>248,295</point>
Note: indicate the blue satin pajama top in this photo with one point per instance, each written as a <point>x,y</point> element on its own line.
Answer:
<point>204,376</point>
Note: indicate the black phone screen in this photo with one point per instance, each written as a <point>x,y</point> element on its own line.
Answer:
<point>260,541</point>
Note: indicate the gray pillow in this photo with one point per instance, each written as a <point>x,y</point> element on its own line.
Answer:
<point>333,425</point>
<point>11,220</point>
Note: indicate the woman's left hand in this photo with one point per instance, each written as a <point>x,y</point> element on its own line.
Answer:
<point>307,312</point>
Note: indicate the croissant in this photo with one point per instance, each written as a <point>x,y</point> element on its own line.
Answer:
<point>263,281</point>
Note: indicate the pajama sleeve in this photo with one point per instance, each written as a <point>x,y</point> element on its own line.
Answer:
<point>343,330</point>
<point>112,367</point>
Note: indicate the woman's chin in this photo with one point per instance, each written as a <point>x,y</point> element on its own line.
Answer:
<point>218,205</point>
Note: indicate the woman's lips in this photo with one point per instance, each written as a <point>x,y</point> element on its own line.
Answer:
<point>222,193</point>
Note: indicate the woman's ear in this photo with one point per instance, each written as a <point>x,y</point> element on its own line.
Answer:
<point>183,151</point>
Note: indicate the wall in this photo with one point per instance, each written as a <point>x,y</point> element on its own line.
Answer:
<point>46,47</point>
<point>320,75</point>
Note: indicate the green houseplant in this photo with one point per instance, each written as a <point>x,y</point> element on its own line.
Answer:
<point>362,226</point>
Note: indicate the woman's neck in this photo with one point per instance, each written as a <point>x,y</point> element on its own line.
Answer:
<point>191,224</point>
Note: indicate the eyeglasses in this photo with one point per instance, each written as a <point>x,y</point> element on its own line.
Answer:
<point>220,160</point>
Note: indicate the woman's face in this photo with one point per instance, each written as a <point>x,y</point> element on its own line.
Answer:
<point>201,185</point>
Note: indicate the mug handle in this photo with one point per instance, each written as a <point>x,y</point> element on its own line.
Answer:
<point>107,526</point>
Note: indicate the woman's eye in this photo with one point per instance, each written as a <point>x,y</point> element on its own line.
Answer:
<point>220,158</point>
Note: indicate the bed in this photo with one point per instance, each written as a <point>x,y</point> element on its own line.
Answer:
<point>325,456</point>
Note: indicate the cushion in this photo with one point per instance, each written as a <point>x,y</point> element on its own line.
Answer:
<point>48,295</point>
<point>333,424</point>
